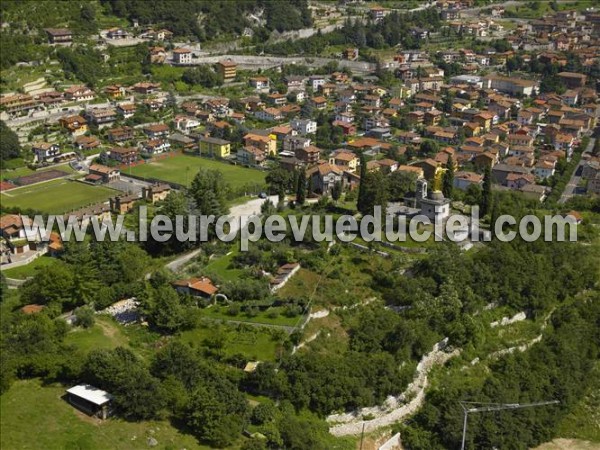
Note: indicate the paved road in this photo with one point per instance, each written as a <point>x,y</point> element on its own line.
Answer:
<point>267,62</point>
<point>239,212</point>
<point>575,177</point>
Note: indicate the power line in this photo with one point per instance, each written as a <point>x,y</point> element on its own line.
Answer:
<point>488,407</point>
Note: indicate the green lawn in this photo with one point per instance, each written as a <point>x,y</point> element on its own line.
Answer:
<point>221,267</point>
<point>56,196</point>
<point>29,269</point>
<point>104,334</point>
<point>36,417</point>
<point>256,344</point>
<point>264,317</point>
<point>182,169</point>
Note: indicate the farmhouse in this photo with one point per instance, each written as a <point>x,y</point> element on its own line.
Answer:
<point>197,287</point>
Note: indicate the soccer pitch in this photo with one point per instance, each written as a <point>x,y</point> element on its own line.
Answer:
<point>182,169</point>
<point>56,196</point>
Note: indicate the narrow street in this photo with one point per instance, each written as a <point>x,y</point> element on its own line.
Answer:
<point>571,187</point>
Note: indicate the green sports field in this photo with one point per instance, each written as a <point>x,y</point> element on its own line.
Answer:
<point>56,196</point>
<point>182,169</point>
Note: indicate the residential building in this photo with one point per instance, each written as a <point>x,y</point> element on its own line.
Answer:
<point>512,86</point>
<point>259,83</point>
<point>155,146</point>
<point>103,174</point>
<point>464,179</point>
<point>122,204</point>
<point>182,56</point>
<point>101,116</point>
<point>573,80</point>
<point>120,134</point>
<point>124,155</point>
<point>266,143</point>
<point>251,156</point>
<point>156,192</point>
<point>309,155</point>
<point>304,126</point>
<point>196,287</point>
<point>126,110</point>
<point>19,233</point>
<point>59,35</point>
<point>227,71</point>
<point>217,148</point>
<point>76,125</point>
<point>324,176</point>
<point>79,94</point>
<point>345,160</point>
<point>86,142</point>
<point>45,151</point>
<point>156,130</point>
<point>269,114</point>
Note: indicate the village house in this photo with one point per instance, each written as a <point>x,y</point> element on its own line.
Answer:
<point>182,56</point>
<point>86,142</point>
<point>309,155</point>
<point>573,80</point>
<point>345,160</point>
<point>120,134</point>
<point>123,155</point>
<point>76,125</point>
<point>316,82</point>
<point>202,287</point>
<point>59,35</point>
<point>45,151</point>
<point>512,86</point>
<point>295,82</point>
<point>324,176</point>
<point>79,94</point>
<point>259,83</point>
<point>145,88</point>
<point>122,204</point>
<point>83,216</point>
<point>157,130</point>
<point>266,143</point>
<point>156,192</point>
<point>464,179</point>
<point>20,234</point>
<point>126,110</point>
<point>114,91</point>
<point>304,126</point>
<point>251,156</point>
<point>153,147</point>
<point>101,116</point>
<point>99,173</point>
<point>544,169</point>
<point>186,124</point>
<point>269,114</point>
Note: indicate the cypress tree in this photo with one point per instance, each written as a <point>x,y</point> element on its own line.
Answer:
<point>486,195</point>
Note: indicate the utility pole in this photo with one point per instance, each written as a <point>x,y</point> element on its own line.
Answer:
<point>494,407</point>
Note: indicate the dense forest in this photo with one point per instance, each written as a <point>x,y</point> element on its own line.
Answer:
<point>207,19</point>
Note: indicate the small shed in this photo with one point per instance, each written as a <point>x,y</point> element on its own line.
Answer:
<point>90,400</point>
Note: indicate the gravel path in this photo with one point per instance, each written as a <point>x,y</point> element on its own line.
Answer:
<point>395,408</point>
